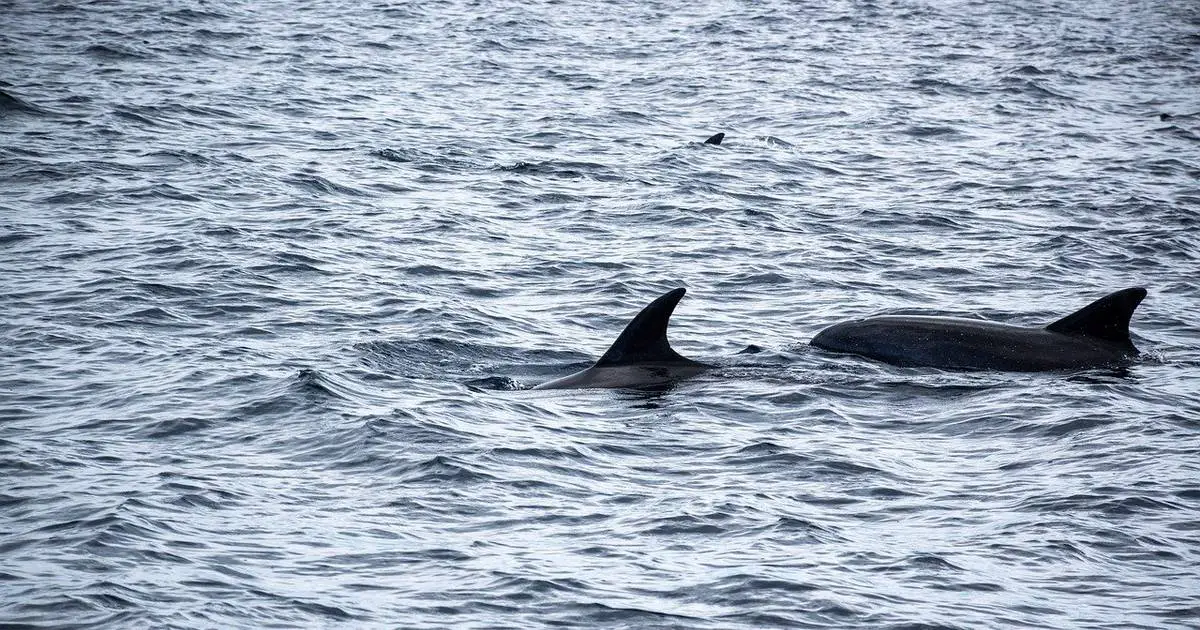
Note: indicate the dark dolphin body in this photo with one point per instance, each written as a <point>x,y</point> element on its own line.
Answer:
<point>1095,336</point>
<point>641,357</point>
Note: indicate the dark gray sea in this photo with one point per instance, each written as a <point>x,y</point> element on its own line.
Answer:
<point>276,277</point>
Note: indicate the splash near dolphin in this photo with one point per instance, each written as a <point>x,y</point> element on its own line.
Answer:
<point>641,357</point>
<point>1095,336</point>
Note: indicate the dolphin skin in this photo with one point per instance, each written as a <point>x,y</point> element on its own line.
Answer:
<point>641,357</point>
<point>1095,336</point>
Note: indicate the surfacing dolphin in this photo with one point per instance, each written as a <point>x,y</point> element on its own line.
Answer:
<point>641,357</point>
<point>1095,336</point>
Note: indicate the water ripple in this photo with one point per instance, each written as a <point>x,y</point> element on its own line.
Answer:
<point>277,281</point>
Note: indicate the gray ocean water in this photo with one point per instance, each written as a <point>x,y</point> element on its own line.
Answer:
<point>275,278</point>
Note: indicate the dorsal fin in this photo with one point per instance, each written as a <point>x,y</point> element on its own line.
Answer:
<point>716,139</point>
<point>644,340</point>
<point>1106,318</point>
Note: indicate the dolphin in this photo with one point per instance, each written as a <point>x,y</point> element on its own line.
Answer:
<point>1096,335</point>
<point>641,357</point>
<point>716,139</point>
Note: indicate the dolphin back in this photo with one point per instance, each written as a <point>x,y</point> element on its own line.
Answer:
<point>644,340</point>
<point>1106,318</point>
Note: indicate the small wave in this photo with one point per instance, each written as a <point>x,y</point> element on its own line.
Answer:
<point>1029,87</point>
<point>10,238</point>
<point>12,105</point>
<point>563,170</point>
<point>175,427</point>
<point>71,198</point>
<point>772,141</point>
<point>933,131</point>
<point>154,315</point>
<point>211,35</point>
<point>162,191</point>
<point>116,52</point>
<point>320,185</point>
<point>495,383</point>
<point>442,469</point>
<point>1072,427</point>
<point>392,155</point>
<point>173,158</point>
<point>1181,132</point>
<point>314,381</point>
<point>316,609</point>
<point>1028,71</point>
<point>308,388</point>
<point>599,614</point>
<point>196,15</point>
<point>444,161</point>
<point>437,357</point>
<point>1130,506</point>
<point>273,269</point>
<point>1098,502</point>
<point>137,117</point>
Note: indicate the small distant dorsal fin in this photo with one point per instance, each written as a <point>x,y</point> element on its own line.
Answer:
<point>644,340</point>
<point>1106,318</point>
<point>716,139</point>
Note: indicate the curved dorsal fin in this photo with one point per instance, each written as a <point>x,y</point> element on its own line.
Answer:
<point>1106,318</point>
<point>644,340</point>
<point>716,139</point>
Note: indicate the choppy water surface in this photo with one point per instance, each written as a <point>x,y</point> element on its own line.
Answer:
<point>275,277</point>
